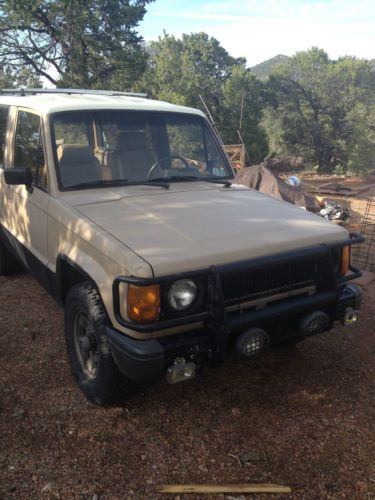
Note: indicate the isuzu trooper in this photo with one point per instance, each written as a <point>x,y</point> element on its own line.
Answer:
<point>125,209</point>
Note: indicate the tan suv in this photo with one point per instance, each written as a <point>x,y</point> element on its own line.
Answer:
<point>125,209</point>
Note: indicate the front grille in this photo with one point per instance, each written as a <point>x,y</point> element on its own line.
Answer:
<point>251,284</point>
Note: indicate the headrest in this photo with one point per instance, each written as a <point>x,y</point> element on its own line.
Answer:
<point>132,139</point>
<point>75,153</point>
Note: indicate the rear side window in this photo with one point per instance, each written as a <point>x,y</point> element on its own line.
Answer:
<point>29,150</point>
<point>4,111</point>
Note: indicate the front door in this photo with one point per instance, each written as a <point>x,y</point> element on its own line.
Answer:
<point>25,216</point>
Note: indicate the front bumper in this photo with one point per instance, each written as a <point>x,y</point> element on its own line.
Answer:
<point>148,359</point>
<point>223,285</point>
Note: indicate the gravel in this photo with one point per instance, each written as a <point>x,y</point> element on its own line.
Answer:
<point>304,418</point>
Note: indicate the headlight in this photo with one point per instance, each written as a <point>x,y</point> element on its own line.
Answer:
<point>182,294</point>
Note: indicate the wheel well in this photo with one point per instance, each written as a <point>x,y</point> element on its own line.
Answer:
<point>69,275</point>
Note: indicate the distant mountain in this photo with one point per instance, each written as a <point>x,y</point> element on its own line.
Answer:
<point>264,69</point>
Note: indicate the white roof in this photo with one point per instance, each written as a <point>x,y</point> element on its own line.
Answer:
<point>53,102</point>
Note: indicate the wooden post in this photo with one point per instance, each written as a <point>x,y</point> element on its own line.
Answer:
<point>225,488</point>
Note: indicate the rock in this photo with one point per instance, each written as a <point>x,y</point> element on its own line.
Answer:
<point>19,413</point>
<point>251,456</point>
<point>49,489</point>
<point>333,486</point>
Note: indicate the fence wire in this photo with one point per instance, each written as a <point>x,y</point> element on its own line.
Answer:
<point>364,254</point>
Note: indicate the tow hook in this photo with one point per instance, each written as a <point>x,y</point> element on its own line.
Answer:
<point>351,316</point>
<point>180,371</point>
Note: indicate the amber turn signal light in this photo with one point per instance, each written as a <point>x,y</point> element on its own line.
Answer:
<point>345,261</point>
<point>143,303</point>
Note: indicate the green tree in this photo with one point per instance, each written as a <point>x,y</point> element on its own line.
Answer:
<point>182,70</point>
<point>361,146</point>
<point>163,78</point>
<point>241,110</point>
<point>22,78</point>
<point>6,78</point>
<point>316,100</point>
<point>82,43</point>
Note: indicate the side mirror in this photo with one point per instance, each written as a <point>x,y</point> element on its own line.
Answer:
<point>18,176</point>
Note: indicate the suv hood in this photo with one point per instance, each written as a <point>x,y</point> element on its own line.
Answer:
<point>181,230</point>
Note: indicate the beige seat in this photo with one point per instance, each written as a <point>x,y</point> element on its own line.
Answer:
<point>78,164</point>
<point>133,157</point>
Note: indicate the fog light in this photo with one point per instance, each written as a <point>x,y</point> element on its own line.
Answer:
<point>316,322</point>
<point>252,342</point>
<point>181,371</point>
<point>351,316</point>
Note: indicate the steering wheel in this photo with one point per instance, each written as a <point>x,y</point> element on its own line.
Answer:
<point>170,157</point>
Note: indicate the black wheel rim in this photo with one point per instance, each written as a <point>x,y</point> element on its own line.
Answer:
<point>86,345</point>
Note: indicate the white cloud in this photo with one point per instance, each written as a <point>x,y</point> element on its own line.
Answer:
<point>331,10</point>
<point>260,29</point>
<point>261,39</point>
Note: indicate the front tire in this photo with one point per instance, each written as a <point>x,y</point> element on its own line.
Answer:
<point>87,344</point>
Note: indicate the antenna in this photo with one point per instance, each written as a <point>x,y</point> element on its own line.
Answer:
<point>241,112</point>
<point>244,145</point>
<point>207,110</point>
<point>209,115</point>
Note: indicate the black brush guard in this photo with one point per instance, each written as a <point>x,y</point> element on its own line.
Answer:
<point>330,290</point>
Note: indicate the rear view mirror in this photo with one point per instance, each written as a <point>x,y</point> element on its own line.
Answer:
<point>18,176</point>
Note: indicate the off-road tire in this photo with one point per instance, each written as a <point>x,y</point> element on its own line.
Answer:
<point>8,263</point>
<point>83,301</point>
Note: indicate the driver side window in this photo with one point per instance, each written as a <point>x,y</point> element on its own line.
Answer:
<point>29,150</point>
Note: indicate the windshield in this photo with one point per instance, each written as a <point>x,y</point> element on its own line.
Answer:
<point>101,148</point>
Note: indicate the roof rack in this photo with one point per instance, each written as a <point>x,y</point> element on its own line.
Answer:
<point>23,92</point>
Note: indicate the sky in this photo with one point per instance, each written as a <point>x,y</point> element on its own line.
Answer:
<point>261,29</point>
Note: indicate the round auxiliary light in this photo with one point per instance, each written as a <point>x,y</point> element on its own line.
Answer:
<point>252,342</point>
<point>182,294</point>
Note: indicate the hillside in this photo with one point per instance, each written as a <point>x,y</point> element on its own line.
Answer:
<point>264,69</point>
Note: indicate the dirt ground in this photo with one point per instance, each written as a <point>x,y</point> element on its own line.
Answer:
<point>304,418</point>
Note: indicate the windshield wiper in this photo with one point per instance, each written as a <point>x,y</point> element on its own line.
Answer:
<point>99,183</point>
<point>116,182</point>
<point>183,178</point>
<point>159,182</point>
